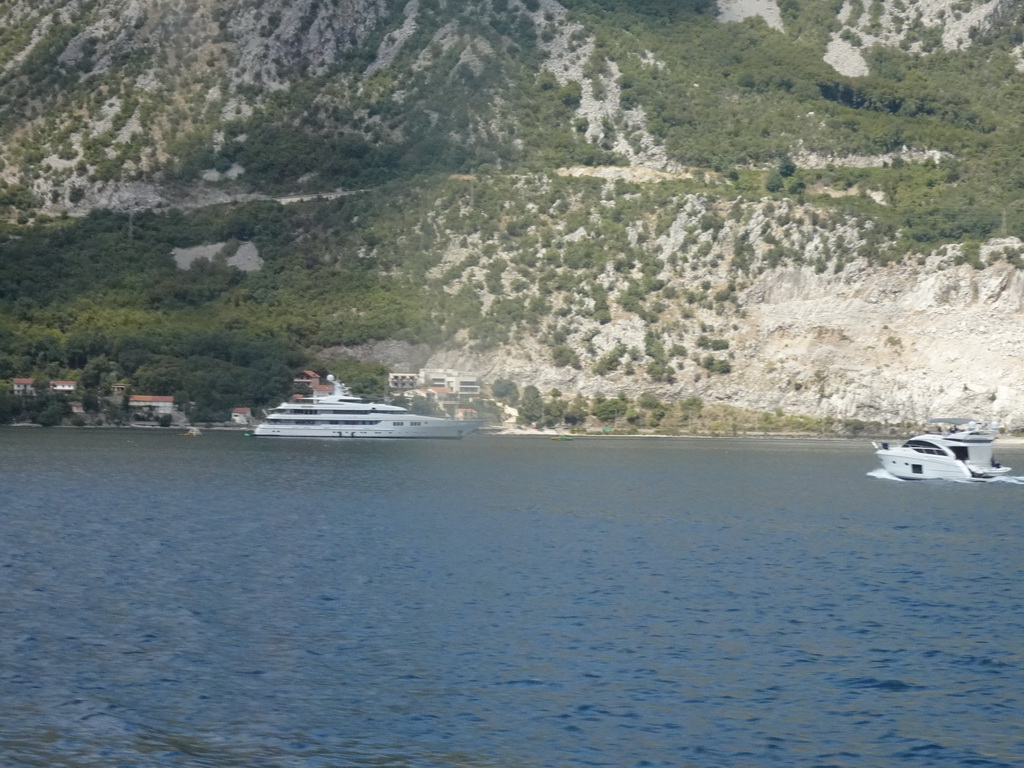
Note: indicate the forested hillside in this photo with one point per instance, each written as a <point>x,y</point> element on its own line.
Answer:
<point>597,196</point>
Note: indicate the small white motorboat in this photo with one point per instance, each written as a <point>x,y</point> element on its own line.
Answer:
<point>961,451</point>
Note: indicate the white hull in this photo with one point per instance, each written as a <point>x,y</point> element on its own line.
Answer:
<point>912,466</point>
<point>953,455</point>
<point>442,429</point>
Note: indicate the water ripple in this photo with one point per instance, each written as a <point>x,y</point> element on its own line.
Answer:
<point>232,602</point>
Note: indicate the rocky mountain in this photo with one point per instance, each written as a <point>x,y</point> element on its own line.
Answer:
<point>847,341</point>
<point>798,206</point>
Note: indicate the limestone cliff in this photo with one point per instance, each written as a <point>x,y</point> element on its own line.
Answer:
<point>840,339</point>
<point>887,345</point>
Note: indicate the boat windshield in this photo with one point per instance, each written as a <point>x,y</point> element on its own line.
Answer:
<point>923,446</point>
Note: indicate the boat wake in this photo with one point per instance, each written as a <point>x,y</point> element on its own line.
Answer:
<point>1018,480</point>
<point>881,474</point>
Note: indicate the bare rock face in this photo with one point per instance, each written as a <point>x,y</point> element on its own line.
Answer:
<point>896,343</point>
<point>399,356</point>
<point>954,23</point>
<point>737,10</point>
<point>281,39</point>
<point>885,344</point>
<point>890,24</point>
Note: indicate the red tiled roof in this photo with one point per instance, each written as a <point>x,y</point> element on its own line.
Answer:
<point>22,381</point>
<point>240,410</point>
<point>152,399</point>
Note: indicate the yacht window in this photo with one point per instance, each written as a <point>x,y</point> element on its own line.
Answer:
<point>922,446</point>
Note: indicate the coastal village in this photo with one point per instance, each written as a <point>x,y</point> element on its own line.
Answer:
<point>449,392</point>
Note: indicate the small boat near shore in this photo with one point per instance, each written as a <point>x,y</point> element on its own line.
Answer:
<point>958,449</point>
<point>342,414</point>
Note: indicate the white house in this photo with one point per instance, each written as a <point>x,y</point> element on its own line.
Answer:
<point>26,387</point>
<point>23,388</point>
<point>459,382</point>
<point>402,382</point>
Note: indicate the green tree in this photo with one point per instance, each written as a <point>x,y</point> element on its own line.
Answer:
<point>531,406</point>
<point>90,401</point>
<point>690,408</point>
<point>163,375</point>
<point>505,390</point>
<point>98,373</point>
<point>774,182</point>
<point>576,414</point>
<point>7,407</point>
<point>609,409</point>
<point>563,356</point>
<point>554,411</point>
<point>422,406</point>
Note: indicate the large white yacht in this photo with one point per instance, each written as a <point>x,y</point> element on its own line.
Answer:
<point>963,451</point>
<point>342,414</point>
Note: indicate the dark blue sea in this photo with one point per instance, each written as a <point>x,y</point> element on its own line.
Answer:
<point>517,602</point>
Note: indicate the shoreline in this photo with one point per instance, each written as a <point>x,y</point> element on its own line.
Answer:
<point>526,432</point>
<point>530,432</point>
